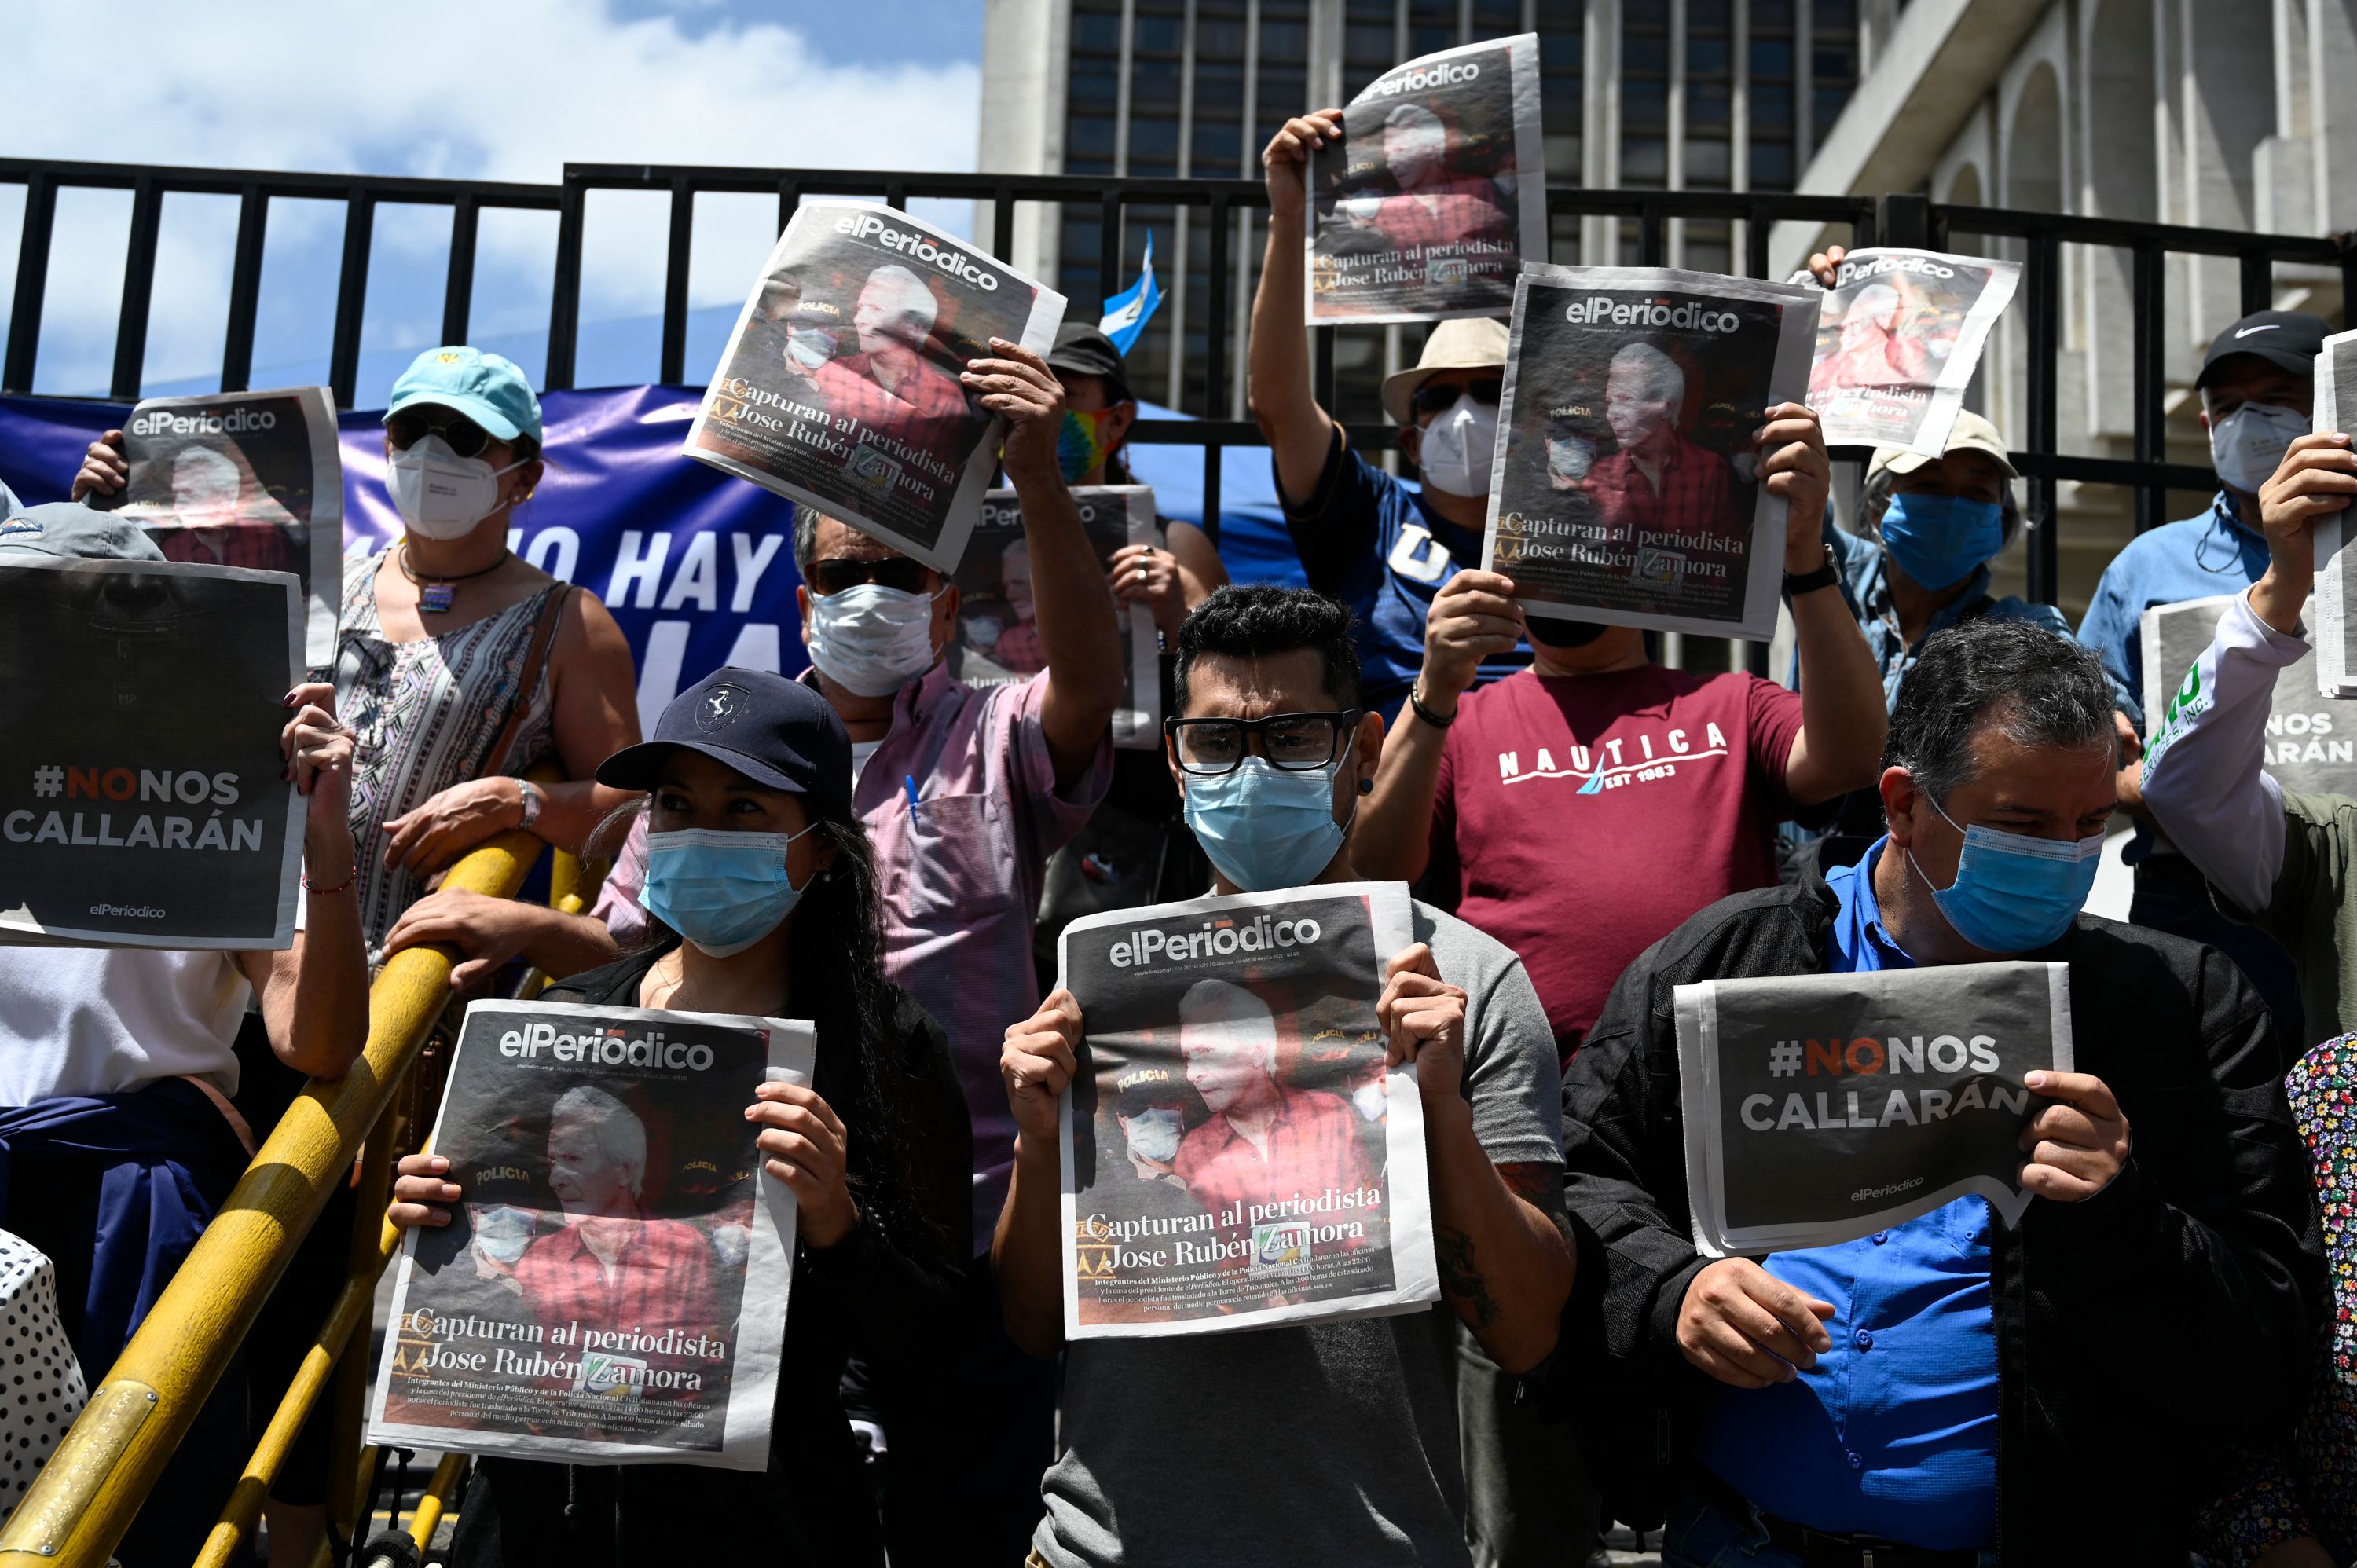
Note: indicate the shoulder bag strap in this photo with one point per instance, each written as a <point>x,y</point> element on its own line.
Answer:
<point>536,659</point>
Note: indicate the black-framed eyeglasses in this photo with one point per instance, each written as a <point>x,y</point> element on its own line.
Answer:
<point>1439,398</point>
<point>837,573</point>
<point>1296,743</point>
<point>461,434</point>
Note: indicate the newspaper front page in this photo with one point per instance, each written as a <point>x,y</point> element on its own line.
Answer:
<point>141,799</point>
<point>252,479</point>
<point>611,1288</point>
<point>1821,1108</point>
<point>1625,487</point>
<point>1437,194</point>
<point>2311,746</point>
<point>1898,340</point>
<point>1235,1153</point>
<point>840,387</point>
<point>2336,630</point>
<point>997,641</point>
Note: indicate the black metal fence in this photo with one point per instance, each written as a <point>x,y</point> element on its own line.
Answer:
<point>1891,219</point>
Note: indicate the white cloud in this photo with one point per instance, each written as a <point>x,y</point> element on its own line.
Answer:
<point>512,91</point>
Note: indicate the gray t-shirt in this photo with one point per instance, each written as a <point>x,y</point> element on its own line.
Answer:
<point>1334,1443</point>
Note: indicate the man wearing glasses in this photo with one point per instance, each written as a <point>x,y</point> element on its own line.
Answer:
<point>1272,749</point>
<point>1366,538</point>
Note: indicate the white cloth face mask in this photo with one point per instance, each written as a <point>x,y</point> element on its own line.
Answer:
<point>1455,451</point>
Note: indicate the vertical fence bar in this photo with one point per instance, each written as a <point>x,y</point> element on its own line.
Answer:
<point>1902,221</point>
<point>1756,224</point>
<point>789,200</point>
<point>32,283</point>
<point>351,296</point>
<point>138,289</point>
<point>1109,242</point>
<point>564,290</point>
<point>677,250</point>
<point>2151,358</point>
<point>1652,237</point>
<point>896,195</point>
<point>458,284</point>
<point>1002,222</point>
<point>244,288</point>
<point>1216,236</point>
<point>2041,291</point>
<point>2258,281</point>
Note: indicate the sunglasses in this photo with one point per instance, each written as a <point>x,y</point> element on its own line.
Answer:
<point>461,434</point>
<point>836,574</point>
<point>1432,399</point>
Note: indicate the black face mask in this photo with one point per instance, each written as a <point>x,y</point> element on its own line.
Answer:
<point>1548,632</point>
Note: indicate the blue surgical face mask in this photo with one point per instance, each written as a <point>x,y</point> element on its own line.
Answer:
<point>721,891</point>
<point>1939,541</point>
<point>2014,893</point>
<point>1265,827</point>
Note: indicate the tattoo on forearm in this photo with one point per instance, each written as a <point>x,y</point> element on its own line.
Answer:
<point>1460,1279</point>
<point>1541,1187</point>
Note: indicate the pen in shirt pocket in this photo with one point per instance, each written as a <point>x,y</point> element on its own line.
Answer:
<point>909,782</point>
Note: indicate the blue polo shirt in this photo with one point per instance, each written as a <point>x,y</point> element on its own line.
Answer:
<point>2196,559</point>
<point>1373,542</point>
<point>1892,1434</point>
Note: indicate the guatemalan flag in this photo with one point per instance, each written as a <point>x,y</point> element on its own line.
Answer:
<point>1126,313</point>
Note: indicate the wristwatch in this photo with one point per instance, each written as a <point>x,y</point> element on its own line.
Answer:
<point>1824,576</point>
<point>530,796</point>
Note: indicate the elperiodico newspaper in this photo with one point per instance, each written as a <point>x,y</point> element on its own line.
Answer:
<point>143,802</point>
<point>1236,1153</point>
<point>1437,194</point>
<point>839,388</point>
<point>612,1286</point>
<point>997,641</point>
<point>1821,1108</point>
<point>2336,409</point>
<point>1899,341</point>
<point>1625,487</point>
<point>2310,746</point>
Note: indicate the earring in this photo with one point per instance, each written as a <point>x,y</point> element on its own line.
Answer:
<point>1366,786</point>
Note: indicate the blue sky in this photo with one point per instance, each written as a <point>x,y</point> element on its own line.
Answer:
<point>446,88</point>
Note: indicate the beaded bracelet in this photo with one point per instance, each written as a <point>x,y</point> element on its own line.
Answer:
<point>349,878</point>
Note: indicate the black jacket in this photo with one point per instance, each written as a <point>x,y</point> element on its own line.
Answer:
<point>2137,1332</point>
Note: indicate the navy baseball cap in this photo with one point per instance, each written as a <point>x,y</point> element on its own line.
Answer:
<point>2287,339</point>
<point>772,728</point>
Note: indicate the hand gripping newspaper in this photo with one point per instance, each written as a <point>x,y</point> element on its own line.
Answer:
<point>142,801</point>
<point>1898,340</point>
<point>1437,194</point>
<point>611,1288</point>
<point>1235,1153</point>
<point>998,640</point>
<point>2336,409</point>
<point>1821,1108</point>
<point>1625,487</point>
<point>2309,748</point>
<point>839,388</point>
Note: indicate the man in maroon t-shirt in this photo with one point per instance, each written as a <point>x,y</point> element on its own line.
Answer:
<point>1582,809</point>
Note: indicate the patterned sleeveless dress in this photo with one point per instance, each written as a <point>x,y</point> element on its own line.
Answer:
<point>426,715</point>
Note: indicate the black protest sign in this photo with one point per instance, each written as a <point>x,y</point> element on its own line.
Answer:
<point>1821,1108</point>
<point>140,801</point>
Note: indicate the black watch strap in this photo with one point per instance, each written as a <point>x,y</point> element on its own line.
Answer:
<point>1415,701</point>
<point>1824,576</point>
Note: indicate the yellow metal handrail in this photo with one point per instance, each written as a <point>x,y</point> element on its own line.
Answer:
<point>88,1493</point>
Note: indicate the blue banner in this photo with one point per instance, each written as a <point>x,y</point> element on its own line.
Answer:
<point>696,566</point>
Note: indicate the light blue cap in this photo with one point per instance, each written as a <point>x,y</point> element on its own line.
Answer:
<point>486,387</point>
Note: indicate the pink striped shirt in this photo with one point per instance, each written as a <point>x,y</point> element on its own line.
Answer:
<point>962,873</point>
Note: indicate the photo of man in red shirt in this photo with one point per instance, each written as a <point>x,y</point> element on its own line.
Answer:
<point>1657,482</point>
<point>1266,1140</point>
<point>610,1266</point>
<point>1435,206</point>
<point>888,385</point>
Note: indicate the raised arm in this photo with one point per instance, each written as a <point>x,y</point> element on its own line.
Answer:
<point>1842,719</point>
<point>1284,403</point>
<point>1497,1231</point>
<point>1073,604</point>
<point>314,993</point>
<point>1036,1062</point>
<point>1473,619</point>
<point>2202,781</point>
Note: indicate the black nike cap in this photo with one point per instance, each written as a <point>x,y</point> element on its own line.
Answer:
<point>2288,339</point>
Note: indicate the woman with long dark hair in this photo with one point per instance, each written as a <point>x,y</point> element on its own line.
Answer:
<point>762,887</point>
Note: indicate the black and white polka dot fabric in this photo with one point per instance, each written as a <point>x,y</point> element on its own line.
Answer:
<point>41,1388</point>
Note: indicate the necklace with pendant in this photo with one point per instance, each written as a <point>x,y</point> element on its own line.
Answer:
<point>434,594</point>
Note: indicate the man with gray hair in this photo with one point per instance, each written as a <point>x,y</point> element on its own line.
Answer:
<point>889,385</point>
<point>1843,1404</point>
<point>1435,206</point>
<point>1265,1138</point>
<point>611,1265</point>
<point>1656,482</point>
